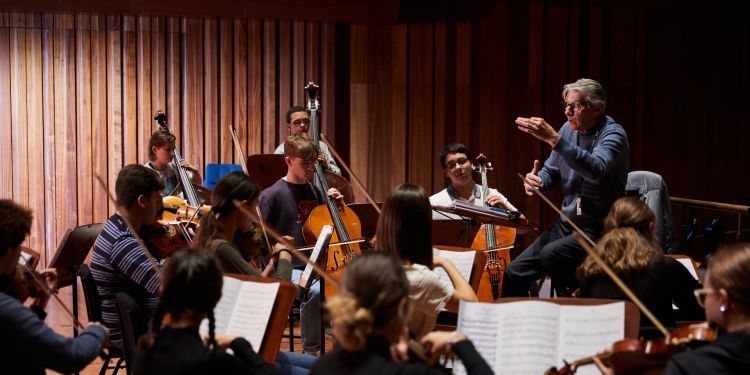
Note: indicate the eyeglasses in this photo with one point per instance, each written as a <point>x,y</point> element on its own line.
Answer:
<point>301,122</point>
<point>700,295</point>
<point>452,164</point>
<point>576,106</point>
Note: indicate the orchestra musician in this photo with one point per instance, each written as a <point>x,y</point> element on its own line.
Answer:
<point>457,162</point>
<point>118,263</point>
<point>368,323</point>
<point>405,231</point>
<point>629,247</point>
<point>589,160</point>
<point>161,148</point>
<point>285,205</point>
<point>725,297</point>
<point>298,122</point>
<point>216,235</point>
<point>29,346</point>
<point>190,290</point>
<point>218,230</point>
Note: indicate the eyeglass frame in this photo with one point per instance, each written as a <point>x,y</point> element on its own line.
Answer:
<point>701,294</point>
<point>300,122</point>
<point>578,106</point>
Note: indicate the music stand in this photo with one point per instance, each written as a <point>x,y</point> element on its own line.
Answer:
<point>70,254</point>
<point>266,169</point>
<point>459,233</point>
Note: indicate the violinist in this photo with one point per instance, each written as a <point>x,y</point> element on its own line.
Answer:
<point>298,122</point>
<point>191,289</point>
<point>726,299</point>
<point>219,229</point>
<point>161,148</point>
<point>630,249</point>
<point>29,346</point>
<point>216,235</point>
<point>286,205</point>
<point>405,231</point>
<point>118,263</point>
<point>457,163</point>
<point>589,160</point>
<point>369,324</point>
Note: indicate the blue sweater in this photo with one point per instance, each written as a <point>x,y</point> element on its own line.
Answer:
<point>593,165</point>
<point>29,346</point>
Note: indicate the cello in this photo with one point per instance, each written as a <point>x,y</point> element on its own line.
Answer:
<point>487,239</point>
<point>341,218</point>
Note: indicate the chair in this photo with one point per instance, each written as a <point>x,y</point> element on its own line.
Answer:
<point>652,190</point>
<point>133,323</point>
<point>215,171</point>
<point>94,310</point>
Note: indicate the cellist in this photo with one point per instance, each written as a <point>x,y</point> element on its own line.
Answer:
<point>457,163</point>
<point>29,346</point>
<point>161,148</point>
<point>286,205</point>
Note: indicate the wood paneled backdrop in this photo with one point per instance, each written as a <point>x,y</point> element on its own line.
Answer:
<point>78,91</point>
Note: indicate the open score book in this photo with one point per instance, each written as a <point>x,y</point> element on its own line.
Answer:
<point>244,309</point>
<point>529,337</point>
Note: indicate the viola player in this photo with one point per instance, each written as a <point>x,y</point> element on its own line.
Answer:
<point>29,346</point>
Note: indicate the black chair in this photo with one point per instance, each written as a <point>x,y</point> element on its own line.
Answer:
<point>94,310</point>
<point>133,323</point>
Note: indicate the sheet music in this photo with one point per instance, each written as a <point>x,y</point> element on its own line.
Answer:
<point>244,309</point>
<point>223,310</point>
<point>463,260</point>
<point>587,330</point>
<point>253,311</point>
<point>514,338</point>
<point>323,239</point>
<point>529,337</point>
<point>688,263</point>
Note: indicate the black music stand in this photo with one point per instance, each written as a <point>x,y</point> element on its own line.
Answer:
<point>70,254</point>
<point>266,169</point>
<point>459,233</point>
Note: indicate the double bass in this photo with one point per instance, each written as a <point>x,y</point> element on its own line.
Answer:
<point>343,219</point>
<point>487,239</point>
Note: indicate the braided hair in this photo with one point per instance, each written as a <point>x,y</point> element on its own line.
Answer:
<point>191,282</point>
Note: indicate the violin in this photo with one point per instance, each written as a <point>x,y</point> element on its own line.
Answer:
<point>644,356</point>
<point>487,239</point>
<point>175,227</point>
<point>343,219</point>
<point>23,284</point>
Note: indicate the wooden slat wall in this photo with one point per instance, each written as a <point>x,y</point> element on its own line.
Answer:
<point>78,92</point>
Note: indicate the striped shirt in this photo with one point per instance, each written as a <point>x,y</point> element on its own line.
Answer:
<point>119,265</point>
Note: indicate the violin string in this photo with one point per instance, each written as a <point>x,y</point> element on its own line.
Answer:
<point>587,246</point>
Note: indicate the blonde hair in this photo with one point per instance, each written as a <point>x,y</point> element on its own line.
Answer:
<point>628,244</point>
<point>729,269</point>
<point>301,146</point>
<point>373,288</point>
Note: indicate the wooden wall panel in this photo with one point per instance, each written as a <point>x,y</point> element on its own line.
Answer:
<point>6,159</point>
<point>78,92</point>
<point>99,128</point>
<point>84,144</point>
<point>35,120</point>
